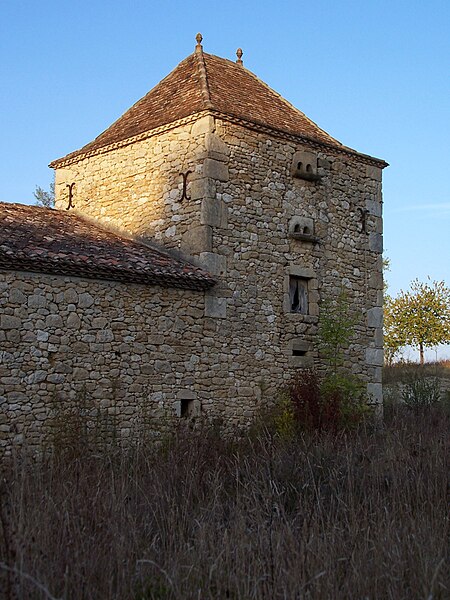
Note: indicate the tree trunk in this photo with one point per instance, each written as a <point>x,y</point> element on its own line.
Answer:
<point>421,353</point>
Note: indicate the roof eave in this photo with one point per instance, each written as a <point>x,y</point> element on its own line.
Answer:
<point>78,155</point>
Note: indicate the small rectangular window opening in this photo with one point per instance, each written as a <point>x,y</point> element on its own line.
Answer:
<point>187,407</point>
<point>298,352</point>
<point>298,293</point>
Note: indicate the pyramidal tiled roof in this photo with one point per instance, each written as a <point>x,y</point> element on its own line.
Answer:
<point>42,240</point>
<point>206,82</point>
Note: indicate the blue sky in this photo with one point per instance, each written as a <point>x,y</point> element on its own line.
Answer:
<point>375,74</point>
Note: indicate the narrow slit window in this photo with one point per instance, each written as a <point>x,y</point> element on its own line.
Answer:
<point>298,292</point>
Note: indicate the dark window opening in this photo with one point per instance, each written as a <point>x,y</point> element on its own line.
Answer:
<point>297,228</point>
<point>308,169</point>
<point>186,407</point>
<point>299,166</point>
<point>306,230</point>
<point>298,352</point>
<point>298,293</point>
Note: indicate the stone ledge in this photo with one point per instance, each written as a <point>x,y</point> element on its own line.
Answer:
<point>301,362</point>
<point>298,271</point>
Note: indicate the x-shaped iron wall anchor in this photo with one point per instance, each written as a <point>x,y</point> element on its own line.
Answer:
<point>71,204</point>
<point>184,194</point>
<point>364,212</point>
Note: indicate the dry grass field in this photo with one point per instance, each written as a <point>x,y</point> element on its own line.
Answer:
<point>361,515</point>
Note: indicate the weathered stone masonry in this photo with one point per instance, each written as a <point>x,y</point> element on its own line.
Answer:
<point>128,345</point>
<point>243,198</point>
<point>267,208</point>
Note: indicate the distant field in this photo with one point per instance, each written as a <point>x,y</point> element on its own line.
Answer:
<point>398,370</point>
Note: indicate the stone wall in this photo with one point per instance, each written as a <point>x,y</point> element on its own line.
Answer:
<point>235,346</point>
<point>245,199</point>
<point>255,201</point>
<point>66,340</point>
<point>138,187</point>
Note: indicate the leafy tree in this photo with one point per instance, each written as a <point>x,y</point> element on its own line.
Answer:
<point>44,198</point>
<point>419,317</point>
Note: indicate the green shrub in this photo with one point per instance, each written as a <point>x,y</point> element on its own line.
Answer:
<point>420,392</point>
<point>284,418</point>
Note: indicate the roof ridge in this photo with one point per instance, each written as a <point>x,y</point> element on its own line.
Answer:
<point>203,78</point>
<point>289,104</point>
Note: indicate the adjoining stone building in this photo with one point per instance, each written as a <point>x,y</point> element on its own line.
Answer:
<point>184,266</point>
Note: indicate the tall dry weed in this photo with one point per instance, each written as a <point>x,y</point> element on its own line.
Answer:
<point>359,515</point>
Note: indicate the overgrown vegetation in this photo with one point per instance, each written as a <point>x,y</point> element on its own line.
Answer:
<point>331,403</point>
<point>349,515</point>
<point>335,400</point>
<point>417,387</point>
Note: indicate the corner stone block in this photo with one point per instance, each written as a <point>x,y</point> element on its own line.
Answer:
<point>215,170</point>
<point>376,280</point>
<point>375,317</point>
<point>215,144</point>
<point>63,175</point>
<point>216,264</point>
<point>374,207</point>
<point>374,172</point>
<point>374,357</point>
<point>202,188</point>
<point>375,392</point>
<point>198,239</point>
<point>376,242</point>
<point>203,125</point>
<point>214,212</point>
<point>378,337</point>
<point>216,308</point>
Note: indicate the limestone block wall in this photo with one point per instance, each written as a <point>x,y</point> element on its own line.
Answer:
<point>249,191</point>
<point>258,199</point>
<point>138,187</point>
<point>124,348</point>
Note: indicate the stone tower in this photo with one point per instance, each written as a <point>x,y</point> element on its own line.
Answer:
<point>216,167</point>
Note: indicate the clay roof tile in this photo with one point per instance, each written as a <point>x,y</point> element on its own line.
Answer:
<point>43,240</point>
<point>229,89</point>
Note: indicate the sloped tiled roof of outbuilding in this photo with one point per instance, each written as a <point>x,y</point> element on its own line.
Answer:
<point>43,240</point>
<point>206,82</point>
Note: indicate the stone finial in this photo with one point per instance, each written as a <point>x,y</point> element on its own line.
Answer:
<point>199,38</point>
<point>239,54</point>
